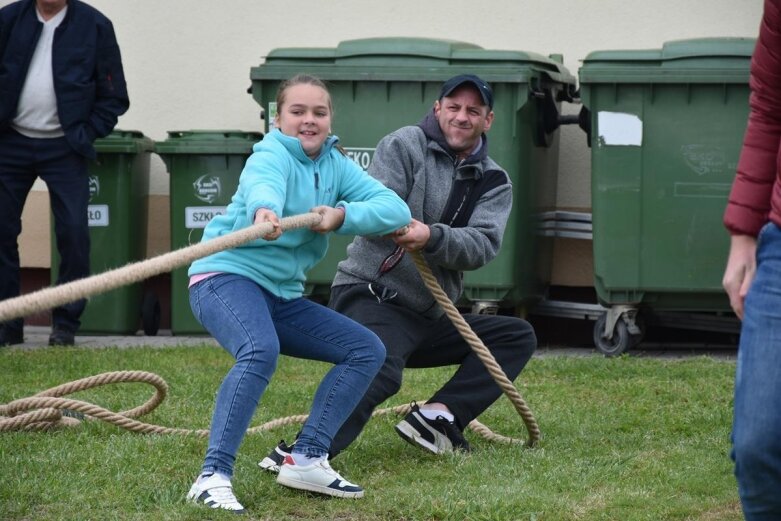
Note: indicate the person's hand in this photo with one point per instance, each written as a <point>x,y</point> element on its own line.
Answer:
<point>264,215</point>
<point>412,237</point>
<point>740,270</point>
<point>333,218</point>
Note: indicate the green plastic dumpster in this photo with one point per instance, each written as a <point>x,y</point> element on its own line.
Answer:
<point>204,168</point>
<point>666,128</point>
<point>119,186</point>
<point>381,84</point>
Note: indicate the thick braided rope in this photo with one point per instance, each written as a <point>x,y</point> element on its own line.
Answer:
<point>47,410</point>
<point>479,348</point>
<point>137,271</point>
<point>46,406</point>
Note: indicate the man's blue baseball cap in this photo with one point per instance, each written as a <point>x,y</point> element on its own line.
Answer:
<point>456,81</point>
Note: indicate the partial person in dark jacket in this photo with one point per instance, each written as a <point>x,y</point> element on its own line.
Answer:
<point>61,87</point>
<point>460,200</point>
<point>753,282</point>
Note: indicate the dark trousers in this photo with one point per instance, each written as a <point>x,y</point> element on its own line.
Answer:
<point>413,341</point>
<point>22,160</point>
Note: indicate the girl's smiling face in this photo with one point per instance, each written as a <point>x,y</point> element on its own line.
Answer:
<point>305,113</point>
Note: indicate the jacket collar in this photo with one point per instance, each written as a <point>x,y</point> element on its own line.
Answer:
<point>293,145</point>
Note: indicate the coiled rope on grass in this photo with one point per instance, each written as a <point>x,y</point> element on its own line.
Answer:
<point>47,409</point>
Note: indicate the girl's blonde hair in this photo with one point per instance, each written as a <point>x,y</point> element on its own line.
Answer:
<point>302,79</point>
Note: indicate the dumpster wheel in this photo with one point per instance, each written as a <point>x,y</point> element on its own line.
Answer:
<point>150,314</point>
<point>620,342</point>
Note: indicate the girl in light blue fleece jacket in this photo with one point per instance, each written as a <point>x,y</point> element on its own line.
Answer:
<point>250,298</point>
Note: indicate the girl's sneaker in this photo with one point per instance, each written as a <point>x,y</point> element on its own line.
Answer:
<point>215,491</point>
<point>318,477</point>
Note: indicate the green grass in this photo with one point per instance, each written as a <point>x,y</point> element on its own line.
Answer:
<point>623,439</point>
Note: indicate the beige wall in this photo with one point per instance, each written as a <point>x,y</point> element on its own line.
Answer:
<point>188,62</point>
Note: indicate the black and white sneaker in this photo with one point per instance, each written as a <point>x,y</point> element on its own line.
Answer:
<point>318,477</point>
<point>436,436</point>
<point>215,491</point>
<point>276,457</point>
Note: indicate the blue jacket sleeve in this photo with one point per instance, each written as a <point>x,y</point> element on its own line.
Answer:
<point>370,207</point>
<point>111,98</point>
<point>263,183</point>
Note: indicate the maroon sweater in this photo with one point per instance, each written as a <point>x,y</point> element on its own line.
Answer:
<point>756,193</point>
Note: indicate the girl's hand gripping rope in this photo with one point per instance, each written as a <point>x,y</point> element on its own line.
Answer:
<point>264,215</point>
<point>333,218</point>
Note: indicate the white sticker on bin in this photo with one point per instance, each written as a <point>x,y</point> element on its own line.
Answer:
<point>619,129</point>
<point>199,216</point>
<point>362,156</point>
<point>97,214</point>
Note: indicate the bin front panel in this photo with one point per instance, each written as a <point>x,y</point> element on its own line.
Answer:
<point>201,187</point>
<point>663,159</point>
<point>204,168</point>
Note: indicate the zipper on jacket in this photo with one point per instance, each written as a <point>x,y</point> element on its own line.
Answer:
<point>317,180</point>
<point>461,205</point>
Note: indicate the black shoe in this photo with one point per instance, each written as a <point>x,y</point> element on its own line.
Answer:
<point>62,337</point>
<point>9,337</point>
<point>274,460</point>
<point>436,436</point>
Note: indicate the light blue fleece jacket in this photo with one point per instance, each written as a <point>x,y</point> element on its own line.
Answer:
<point>281,177</point>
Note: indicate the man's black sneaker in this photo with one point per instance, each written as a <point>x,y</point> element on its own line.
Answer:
<point>436,436</point>
<point>9,337</point>
<point>276,457</point>
<point>62,337</point>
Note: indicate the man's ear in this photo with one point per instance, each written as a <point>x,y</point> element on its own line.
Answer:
<point>489,118</point>
<point>437,108</point>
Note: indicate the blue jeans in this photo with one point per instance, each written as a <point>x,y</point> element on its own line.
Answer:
<point>255,326</point>
<point>756,429</point>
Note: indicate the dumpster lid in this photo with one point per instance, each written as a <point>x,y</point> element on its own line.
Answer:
<point>208,142</point>
<point>700,60</point>
<point>124,141</point>
<point>408,59</point>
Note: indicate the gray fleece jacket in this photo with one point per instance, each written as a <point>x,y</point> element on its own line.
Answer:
<point>465,205</point>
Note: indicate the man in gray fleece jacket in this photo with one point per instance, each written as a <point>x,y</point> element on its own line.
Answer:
<point>460,200</point>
